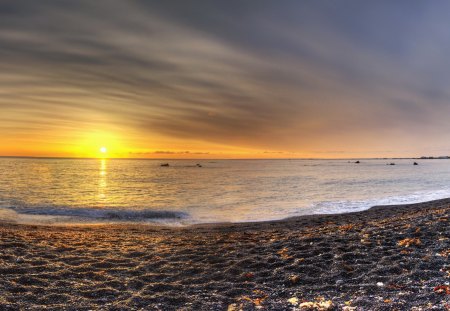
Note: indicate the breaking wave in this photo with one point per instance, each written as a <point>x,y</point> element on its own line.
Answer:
<point>86,215</point>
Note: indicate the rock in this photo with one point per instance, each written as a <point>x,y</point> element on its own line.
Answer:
<point>320,305</point>
<point>165,164</point>
<point>293,301</point>
<point>294,279</point>
<point>357,162</point>
<point>415,163</point>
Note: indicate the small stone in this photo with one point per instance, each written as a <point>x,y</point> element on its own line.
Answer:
<point>380,284</point>
<point>294,279</point>
<point>293,301</point>
<point>233,307</point>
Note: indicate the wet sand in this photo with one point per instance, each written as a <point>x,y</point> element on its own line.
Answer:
<point>386,258</point>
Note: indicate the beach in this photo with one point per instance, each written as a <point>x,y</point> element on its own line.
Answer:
<point>385,258</point>
<point>224,155</point>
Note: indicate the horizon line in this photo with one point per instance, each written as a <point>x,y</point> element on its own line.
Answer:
<point>205,159</point>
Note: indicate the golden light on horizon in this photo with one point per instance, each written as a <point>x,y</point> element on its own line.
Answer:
<point>99,144</point>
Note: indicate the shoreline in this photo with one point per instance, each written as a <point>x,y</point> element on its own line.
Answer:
<point>397,207</point>
<point>384,258</point>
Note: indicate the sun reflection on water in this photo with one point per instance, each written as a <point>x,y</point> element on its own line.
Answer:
<point>102,183</point>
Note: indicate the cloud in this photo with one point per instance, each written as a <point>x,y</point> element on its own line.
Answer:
<point>295,76</point>
<point>168,153</point>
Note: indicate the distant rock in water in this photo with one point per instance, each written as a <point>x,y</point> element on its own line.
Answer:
<point>392,163</point>
<point>357,162</point>
<point>415,163</point>
<point>165,164</point>
<point>198,165</point>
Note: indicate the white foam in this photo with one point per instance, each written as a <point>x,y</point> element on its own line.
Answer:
<point>347,206</point>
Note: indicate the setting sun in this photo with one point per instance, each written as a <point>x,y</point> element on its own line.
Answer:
<point>103,150</point>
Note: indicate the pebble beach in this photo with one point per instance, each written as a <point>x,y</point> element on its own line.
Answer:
<point>385,258</point>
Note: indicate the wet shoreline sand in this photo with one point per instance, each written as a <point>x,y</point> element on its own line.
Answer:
<point>385,258</point>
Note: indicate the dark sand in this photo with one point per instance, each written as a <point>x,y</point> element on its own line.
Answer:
<point>387,258</point>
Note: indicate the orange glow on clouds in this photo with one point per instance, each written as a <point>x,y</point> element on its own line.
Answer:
<point>149,79</point>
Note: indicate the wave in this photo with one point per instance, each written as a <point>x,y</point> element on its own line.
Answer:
<point>347,206</point>
<point>93,214</point>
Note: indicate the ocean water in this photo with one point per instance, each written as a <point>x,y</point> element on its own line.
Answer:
<point>72,191</point>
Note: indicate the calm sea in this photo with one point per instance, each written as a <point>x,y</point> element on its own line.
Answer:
<point>107,190</point>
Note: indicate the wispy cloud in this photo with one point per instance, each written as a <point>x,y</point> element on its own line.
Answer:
<point>289,75</point>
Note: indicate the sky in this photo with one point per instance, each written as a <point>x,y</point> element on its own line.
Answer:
<point>225,79</point>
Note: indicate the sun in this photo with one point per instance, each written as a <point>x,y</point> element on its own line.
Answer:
<point>103,150</point>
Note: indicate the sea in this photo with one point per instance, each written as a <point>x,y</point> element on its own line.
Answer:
<point>109,191</point>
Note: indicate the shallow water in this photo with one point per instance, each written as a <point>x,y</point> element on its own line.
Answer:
<point>108,190</point>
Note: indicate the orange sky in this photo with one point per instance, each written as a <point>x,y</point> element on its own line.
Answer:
<point>224,80</point>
